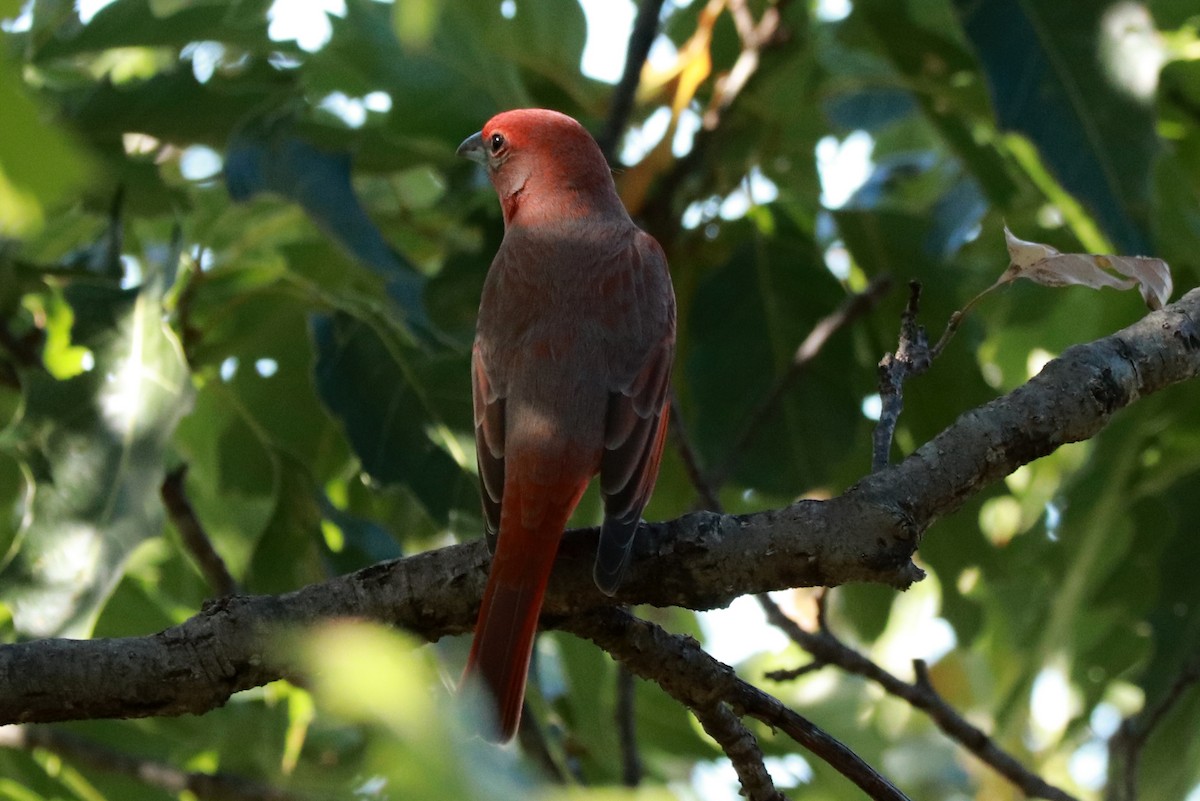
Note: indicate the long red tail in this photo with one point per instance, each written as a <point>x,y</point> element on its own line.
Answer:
<point>530,530</point>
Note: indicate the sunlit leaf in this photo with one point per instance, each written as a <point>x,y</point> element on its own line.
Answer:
<point>94,447</point>
<point>39,165</point>
<point>381,679</point>
<point>147,23</point>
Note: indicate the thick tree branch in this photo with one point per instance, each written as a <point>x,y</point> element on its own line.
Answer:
<point>698,561</point>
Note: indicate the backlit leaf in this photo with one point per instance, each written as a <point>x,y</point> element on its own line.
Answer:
<point>94,448</point>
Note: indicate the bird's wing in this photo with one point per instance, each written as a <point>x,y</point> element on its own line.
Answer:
<point>636,424</point>
<point>489,445</point>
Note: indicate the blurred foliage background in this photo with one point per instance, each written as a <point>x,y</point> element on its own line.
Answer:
<point>234,235</point>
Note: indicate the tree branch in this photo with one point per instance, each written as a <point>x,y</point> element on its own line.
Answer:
<point>911,358</point>
<point>195,539</point>
<point>741,746</point>
<point>757,39</point>
<point>706,492</point>
<point>698,561</point>
<point>851,309</point>
<point>827,649</point>
<point>1125,746</point>
<point>645,28</point>
<point>694,678</point>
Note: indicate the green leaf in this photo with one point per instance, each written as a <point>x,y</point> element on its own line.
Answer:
<point>93,447</point>
<point>921,43</point>
<point>1170,763</point>
<point>396,406</point>
<point>174,106</point>
<point>1058,74</point>
<point>747,320</point>
<point>289,551</point>
<point>382,680</point>
<point>267,156</point>
<point>39,165</point>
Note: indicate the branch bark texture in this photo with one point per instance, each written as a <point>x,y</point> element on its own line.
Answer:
<point>698,561</point>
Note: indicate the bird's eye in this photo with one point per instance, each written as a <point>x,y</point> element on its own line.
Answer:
<point>498,142</point>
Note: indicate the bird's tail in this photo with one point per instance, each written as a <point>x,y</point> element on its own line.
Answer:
<point>530,531</point>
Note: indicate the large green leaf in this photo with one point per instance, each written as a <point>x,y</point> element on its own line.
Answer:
<point>93,446</point>
<point>475,62</point>
<point>269,157</point>
<point>1055,74</point>
<point>918,40</point>
<point>174,106</point>
<point>289,551</point>
<point>400,409</point>
<point>38,165</point>
<point>747,320</point>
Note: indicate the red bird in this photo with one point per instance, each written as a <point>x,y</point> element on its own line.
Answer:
<point>570,374</point>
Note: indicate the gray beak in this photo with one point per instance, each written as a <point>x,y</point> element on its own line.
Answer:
<point>473,148</point>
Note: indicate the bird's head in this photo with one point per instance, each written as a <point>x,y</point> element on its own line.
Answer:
<point>543,164</point>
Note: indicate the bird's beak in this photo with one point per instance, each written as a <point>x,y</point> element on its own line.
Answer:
<point>472,148</point>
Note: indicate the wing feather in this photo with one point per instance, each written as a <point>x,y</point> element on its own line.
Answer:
<point>635,427</point>
<point>489,445</point>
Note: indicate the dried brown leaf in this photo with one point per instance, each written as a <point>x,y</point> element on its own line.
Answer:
<point>1050,267</point>
<point>1153,276</point>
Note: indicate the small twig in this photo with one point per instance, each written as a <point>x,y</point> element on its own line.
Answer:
<point>791,674</point>
<point>850,310</point>
<point>195,539</point>
<point>76,749</point>
<point>1125,746</point>
<point>816,664</point>
<point>768,33</point>
<point>827,648</point>
<point>689,674</point>
<point>741,746</point>
<point>911,358</point>
<point>756,37</point>
<point>771,711</point>
<point>691,462</point>
<point>189,334</point>
<point>626,720</point>
<point>645,28</point>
